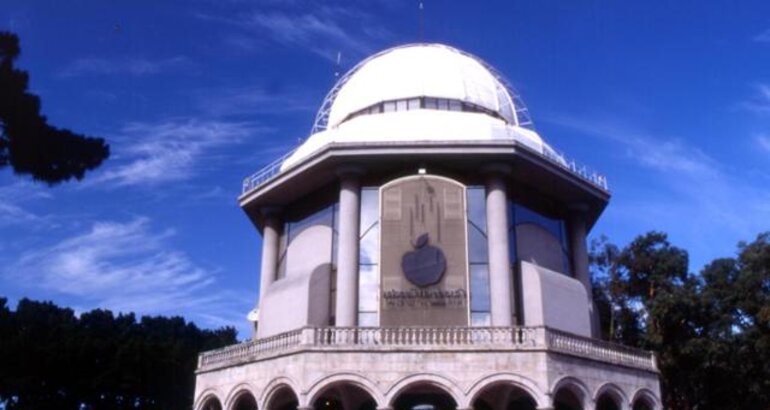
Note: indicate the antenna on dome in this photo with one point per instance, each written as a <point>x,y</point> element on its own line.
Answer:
<point>420,20</point>
<point>337,65</point>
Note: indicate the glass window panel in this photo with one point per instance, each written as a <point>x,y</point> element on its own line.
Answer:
<point>431,103</point>
<point>443,104</point>
<point>370,209</point>
<point>323,217</point>
<point>401,105</point>
<point>526,215</point>
<point>477,245</point>
<point>368,319</point>
<point>481,319</point>
<point>413,104</point>
<point>455,105</point>
<point>480,288</point>
<point>389,106</point>
<point>368,288</point>
<point>477,207</point>
<point>369,246</point>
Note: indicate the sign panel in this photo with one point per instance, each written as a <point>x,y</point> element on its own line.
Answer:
<point>423,258</point>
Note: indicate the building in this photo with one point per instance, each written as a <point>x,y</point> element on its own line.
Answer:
<point>425,249</point>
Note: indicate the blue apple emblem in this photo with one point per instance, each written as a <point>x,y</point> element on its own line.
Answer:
<point>425,265</point>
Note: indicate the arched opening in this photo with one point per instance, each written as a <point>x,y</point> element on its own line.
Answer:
<point>424,396</point>
<point>504,396</point>
<point>283,398</point>
<point>344,396</point>
<point>245,401</point>
<point>211,403</point>
<point>607,402</point>
<point>567,398</point>
<point>643,404</point>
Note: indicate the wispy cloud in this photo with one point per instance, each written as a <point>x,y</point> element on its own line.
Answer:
<point>763,141</point>
<point>122,66</point>
<point>763,37</point>
<point>760,102</point>
<point>257,100</point>
<point>14,201</point>
<point>673,185</point>
<point>126,266</point>
<point>319,28</point>
<point>154,153</point>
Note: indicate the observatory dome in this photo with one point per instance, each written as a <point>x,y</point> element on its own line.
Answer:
<point>420,92</point>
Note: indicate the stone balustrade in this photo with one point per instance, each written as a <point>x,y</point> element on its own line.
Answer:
<point>371,339</point>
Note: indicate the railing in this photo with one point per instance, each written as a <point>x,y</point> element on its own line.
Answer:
<point>600,350</point>
<point>488,339</point>
<point>580,170</point>
<point>274,168</point>
<point>268,171</point>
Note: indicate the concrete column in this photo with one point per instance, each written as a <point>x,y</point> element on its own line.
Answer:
<point>269,265</point>
<point>500,281</point>
<point>578,233</point>
<point>347,246</point>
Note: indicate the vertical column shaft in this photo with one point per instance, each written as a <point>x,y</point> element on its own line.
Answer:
<point>347,249</point>
<point>269,265</point>
<point>578,234</point>
<point>500,281</point>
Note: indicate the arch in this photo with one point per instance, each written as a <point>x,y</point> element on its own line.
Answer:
<point>275,386</point>
<point>355,379</point>
<point>236,392</point>
<point>645,396</point>
<point>434,380</point>
<point>515,380</point>
<point>613,393</point>
<point>575,387</point>
<point>240,391</point>
<point>208,398</point>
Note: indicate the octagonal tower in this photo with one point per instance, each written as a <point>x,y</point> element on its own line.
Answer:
<point>425,248</point>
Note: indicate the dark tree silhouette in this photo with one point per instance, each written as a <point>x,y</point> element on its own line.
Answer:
<point>52,359</point>
<point>711,331</point>
<point>27,142</point>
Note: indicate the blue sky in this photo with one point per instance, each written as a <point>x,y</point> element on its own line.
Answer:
<point>670,100</point>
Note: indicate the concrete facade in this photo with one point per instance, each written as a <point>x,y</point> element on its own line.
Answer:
<point>412,266</point>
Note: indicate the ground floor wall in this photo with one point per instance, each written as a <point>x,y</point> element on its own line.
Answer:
<point>546,380</point>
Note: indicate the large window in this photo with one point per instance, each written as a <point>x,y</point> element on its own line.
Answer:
<point>478,256</point>
<point>295,224</point>
<point>538,239</point>
<point>369,258</point>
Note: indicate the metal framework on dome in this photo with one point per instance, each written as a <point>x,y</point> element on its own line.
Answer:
<point>521,113</point>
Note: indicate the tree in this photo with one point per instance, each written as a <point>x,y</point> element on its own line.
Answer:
<point>27,142</point>
<point>54,359</point>
<point>711,331</point>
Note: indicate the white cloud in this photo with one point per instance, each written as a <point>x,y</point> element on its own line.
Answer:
<point>760,103</point>
<point>764,142</point>
<point>153,153</point>
<point>763,37</point>
<point>321,29</point>
<point>122,66</point>
<point>127,267</point>
<point>253,100</point>
<point>14,201</point>
<point>674,186</point>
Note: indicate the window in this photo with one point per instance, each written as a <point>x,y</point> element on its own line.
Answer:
<point>478,257</point>
<point>369,258</point>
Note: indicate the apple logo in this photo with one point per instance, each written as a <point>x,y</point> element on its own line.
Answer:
<point>425,265</point>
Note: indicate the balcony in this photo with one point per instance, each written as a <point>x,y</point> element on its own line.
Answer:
<point>427,339</point>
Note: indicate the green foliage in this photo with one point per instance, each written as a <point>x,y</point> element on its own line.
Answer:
<point>27,142</point>
<point>54,359</point>
<point>711,331</point>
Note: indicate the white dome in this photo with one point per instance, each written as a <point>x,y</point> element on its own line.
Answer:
<point>420,92</point>
<point>421,70</point>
